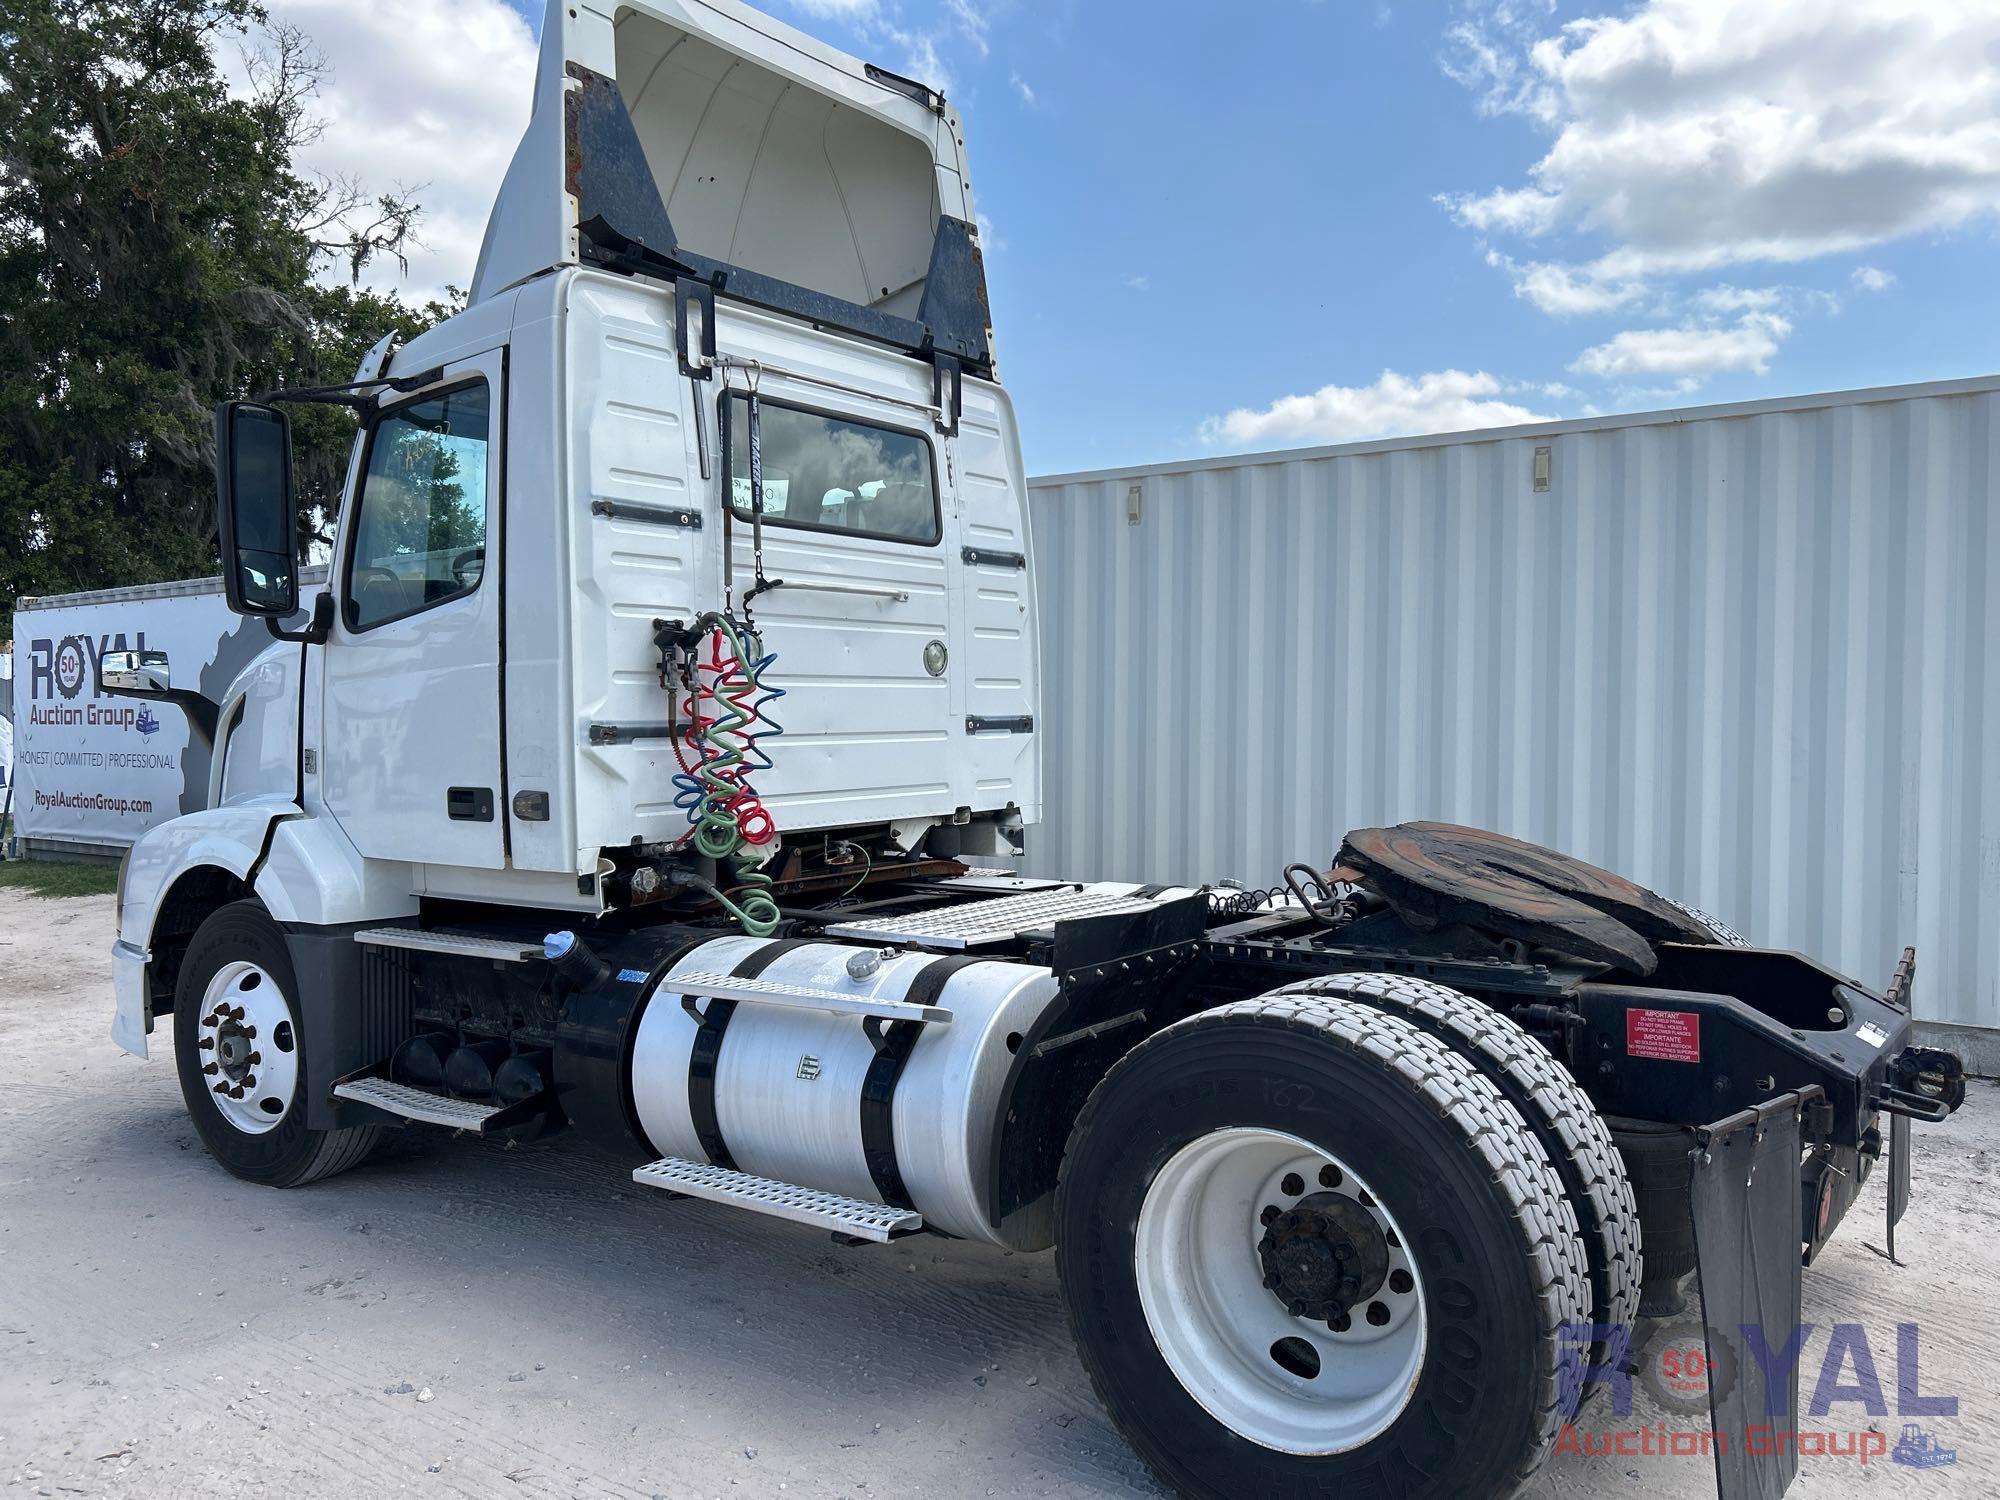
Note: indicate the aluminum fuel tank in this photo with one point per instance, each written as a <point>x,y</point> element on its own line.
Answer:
<point>789,1082</point>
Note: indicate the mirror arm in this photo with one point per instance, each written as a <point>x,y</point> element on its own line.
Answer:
<point>202,712</point>
<point>349,394</point>
<point>318,628</point>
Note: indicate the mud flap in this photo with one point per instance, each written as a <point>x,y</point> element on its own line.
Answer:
<point>1745,1201</point>
<point>1901,1143</point>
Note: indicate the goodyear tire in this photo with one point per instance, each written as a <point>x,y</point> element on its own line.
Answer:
<point>240,1053</point>
<point>1305,1248</point>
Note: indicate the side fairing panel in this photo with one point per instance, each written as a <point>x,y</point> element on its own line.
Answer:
<point>998,641</point>
<point>259,731</point>
<point>631,445</point>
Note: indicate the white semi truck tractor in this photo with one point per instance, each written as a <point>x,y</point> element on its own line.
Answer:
<point>652,766</point>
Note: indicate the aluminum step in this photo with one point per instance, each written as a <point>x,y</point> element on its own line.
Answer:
<point>499,950</point>
<point>781,1200</point>
<point>708,986</point>
<point>415,1104</point>
<point>1000,920</point>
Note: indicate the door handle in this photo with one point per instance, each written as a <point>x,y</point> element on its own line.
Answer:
<point>900,596</point>
<point>469,804</point>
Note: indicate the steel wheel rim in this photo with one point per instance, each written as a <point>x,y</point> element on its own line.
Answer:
<point>1228,1339</point>
<point>249,1047</point>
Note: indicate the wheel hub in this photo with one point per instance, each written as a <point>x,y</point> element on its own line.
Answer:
<point>1323,1255</point>
<point>249,1056</point>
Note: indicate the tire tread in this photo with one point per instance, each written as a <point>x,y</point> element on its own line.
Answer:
<point>1573,1134</point>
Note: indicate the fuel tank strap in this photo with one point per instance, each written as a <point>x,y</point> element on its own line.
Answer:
<point>893,1045</point>
<point>708,1048</point>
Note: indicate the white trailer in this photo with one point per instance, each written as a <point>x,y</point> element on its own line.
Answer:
<point>94,771</point>
<point>651,764</point>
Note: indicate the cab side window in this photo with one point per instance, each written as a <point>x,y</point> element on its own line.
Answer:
<point>420,532</point>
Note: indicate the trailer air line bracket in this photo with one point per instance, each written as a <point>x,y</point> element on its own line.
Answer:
<point>1744,1195</point>
<point>692,294</point>
<point>947,391</point>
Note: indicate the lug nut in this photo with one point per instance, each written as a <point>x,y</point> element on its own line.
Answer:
<point>209,1068</point>
<point>237,1092</point>
<point>248,1031</point>
<point>222,1088</point>
<point>206,1043</point>
<point>254,1057</point>
<point>1295,1308</point>
<point>1270,1213</point>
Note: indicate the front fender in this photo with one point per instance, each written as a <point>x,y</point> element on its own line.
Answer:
<point>221,838</point>
<point>304,869</point>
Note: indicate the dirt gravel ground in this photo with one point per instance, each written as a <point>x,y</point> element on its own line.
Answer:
<point>459,1319</point>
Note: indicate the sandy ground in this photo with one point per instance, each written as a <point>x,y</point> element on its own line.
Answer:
<point>458,1319</point>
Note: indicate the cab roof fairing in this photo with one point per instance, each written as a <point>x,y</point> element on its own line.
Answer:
<point>750,157</point>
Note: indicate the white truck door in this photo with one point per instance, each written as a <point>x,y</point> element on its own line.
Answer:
<point>410,758</point>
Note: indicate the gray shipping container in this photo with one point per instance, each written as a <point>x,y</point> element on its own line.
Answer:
<point>1744,654</point>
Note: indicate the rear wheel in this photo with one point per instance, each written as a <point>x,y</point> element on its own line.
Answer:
<point>1305,1246</point>
<point>240,1052</point>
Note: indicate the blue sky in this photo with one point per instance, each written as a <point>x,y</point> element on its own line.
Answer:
<point>1215,228</point>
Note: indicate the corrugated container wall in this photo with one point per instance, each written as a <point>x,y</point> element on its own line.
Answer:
<point>1749,656</point>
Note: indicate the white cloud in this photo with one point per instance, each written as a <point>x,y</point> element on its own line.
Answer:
<point>431,98</point>
<point>1687,351</point>
<point>1395,405</point>
<point>1488,51</point>
<point>1728,299</point>
<point>1139,283</point>
<point>1562,291</point>
<point>1873,279</point>
<point>1691,135</point>
<point>973,23</point>
<point>1021,87</point>
<point>1524,211</point>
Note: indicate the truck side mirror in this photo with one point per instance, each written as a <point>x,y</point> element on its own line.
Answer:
<point>253,490</point>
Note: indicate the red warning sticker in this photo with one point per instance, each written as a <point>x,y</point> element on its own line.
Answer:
<point>1668,1035</point>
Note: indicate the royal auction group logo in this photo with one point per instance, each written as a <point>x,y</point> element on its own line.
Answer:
<point>60,670</point>
<point>1738,1390</point>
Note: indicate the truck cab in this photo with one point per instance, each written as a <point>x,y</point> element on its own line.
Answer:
<point>717,237</point>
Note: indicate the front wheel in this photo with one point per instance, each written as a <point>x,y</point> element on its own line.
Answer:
<point>240,1051</point>
<point>1305,1248</point>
